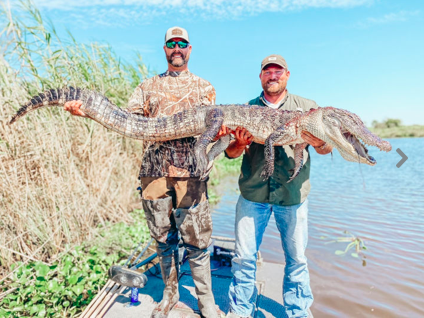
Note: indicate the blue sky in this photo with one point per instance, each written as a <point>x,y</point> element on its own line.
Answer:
<point>366,56</point>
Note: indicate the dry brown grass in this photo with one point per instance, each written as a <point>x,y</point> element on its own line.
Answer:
<point>60,176</point>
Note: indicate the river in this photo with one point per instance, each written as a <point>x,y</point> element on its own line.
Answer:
<point>384,206</point>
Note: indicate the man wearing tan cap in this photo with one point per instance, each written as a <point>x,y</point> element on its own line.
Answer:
<point>260,198</point>
<point>173,196</point>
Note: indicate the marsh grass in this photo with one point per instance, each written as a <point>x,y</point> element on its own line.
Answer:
<point>60,176</point>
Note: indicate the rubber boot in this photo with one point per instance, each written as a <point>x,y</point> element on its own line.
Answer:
<point>199,261</point>
<point>169,268</point>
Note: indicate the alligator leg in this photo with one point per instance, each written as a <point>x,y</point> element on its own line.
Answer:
<point>218,147</point>
<point>215,151</point>
<point>283,134</point>
<point>214,121</point>
<point>298,159</point>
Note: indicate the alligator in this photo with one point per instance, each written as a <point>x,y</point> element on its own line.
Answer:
<point>272,127</point>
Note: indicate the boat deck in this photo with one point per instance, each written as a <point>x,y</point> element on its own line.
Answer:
<point>268,297</point>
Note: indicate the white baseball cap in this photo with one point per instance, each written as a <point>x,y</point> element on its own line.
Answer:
<point>176,32</point>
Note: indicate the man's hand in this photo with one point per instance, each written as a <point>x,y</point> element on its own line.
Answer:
<point>223,131</point>
<point>74,108</point>
<point>320,146</point>
<point>312,140</point>
<point>243,137</point>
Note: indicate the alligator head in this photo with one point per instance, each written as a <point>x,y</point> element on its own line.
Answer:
<point>347,133</point>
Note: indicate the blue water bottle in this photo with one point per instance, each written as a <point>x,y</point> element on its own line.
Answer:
<point>134,295</point>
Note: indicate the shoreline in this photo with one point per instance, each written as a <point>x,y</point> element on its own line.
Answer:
<point>413,131</point>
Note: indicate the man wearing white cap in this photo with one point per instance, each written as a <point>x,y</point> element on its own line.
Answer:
<point>173,196</point>
<point>260,198</point>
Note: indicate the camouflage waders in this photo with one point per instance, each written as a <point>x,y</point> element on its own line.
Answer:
<point>173,196</point>
<point>172,204</point>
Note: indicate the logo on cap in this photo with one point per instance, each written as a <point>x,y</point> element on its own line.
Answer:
<point>177,32</point>
<point>272,59</point>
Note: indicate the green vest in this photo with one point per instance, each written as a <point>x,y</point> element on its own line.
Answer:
<point>276,190</point>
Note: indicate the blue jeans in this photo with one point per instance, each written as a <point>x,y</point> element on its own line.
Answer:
<point>251,221</point>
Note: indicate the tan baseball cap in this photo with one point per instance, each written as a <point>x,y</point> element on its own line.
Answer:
<point>176,32</point>
<point>274,59</point>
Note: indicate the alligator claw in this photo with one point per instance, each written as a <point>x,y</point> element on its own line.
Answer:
<point>267,171</point>
<point>266,174</point>
<point>292,177</point>
<point>202,171</point>
<point>204,167</point>
<point>205,175</point>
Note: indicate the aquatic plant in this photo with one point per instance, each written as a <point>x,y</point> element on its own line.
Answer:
<point>355,246</point>
<point>64,287</point>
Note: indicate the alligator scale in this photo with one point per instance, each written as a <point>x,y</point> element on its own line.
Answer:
<point>273,127</point>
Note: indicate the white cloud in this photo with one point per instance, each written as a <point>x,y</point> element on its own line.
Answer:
<point>134,12</point>
<point>213,5</point>
<point>400,16</point>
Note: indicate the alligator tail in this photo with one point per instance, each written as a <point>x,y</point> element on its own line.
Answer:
<point>51,97</point>
<point>94,105</point>
<point>98,108</point>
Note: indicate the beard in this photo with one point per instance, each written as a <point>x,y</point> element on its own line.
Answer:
<point>177,62</point>
<point>275,89</point>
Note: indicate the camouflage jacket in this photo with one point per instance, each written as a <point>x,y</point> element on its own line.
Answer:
<point>164,95</point>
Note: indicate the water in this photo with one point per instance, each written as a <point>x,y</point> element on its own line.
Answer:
<point>383,205</point>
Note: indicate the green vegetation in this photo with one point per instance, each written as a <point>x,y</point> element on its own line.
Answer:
<point>60,177</point>
<point>64,287</point>
<point>356,246</point>
<point>62,189</point>
<point>393,128</point>
<point>222,167</point>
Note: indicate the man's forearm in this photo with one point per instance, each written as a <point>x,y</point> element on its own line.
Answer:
<point>235,150</point>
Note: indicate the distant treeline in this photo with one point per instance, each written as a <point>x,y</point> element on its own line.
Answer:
<point>393,128</point>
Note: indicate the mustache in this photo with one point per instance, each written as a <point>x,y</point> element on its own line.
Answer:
<point>178,52</point>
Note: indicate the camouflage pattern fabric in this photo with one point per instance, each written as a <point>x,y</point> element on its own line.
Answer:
<point>164,95</point>
<point>192,215</point>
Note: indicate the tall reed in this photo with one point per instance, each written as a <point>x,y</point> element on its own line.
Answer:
<point>60,176</point>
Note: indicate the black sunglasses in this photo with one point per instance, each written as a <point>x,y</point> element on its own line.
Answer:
<point>172,44</point>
